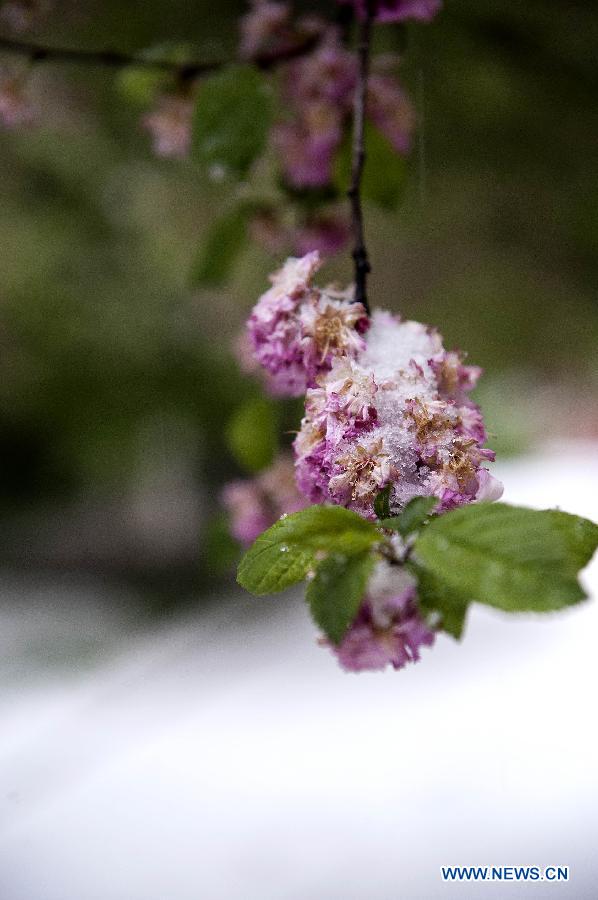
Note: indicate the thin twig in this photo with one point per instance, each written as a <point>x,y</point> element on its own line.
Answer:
<point>360,253</point>
<point>36,52</point>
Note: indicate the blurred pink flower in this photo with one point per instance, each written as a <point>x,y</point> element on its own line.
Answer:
<point>266,27</point>
<point>390,109</point>
<point>328,234</point>
<point>15,107</point>
<point>388,629</point>
<point>169,125</point>
<point>254,504</point>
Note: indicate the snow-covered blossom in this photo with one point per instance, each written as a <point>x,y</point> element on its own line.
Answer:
<point>401,416</point>
<point>398,10</point>
<point>169,125</point>
<point>297,329</point>
<point>388,629</point>
<point>386,405</point>
<point>254,504</point>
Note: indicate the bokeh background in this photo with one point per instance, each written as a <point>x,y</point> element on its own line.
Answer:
<point>117,380</point>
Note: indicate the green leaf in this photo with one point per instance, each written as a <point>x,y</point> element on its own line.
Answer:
<point>415,514</point>
<point>505,556</point>
<point>382,503</point>
<point>435,598</point>
<point>384,174</point>
<point>220,250</point>
<point>232,119</point>
<point>336,591</point>
<point>252,434</point>
<point>219,550</point>
<point>139,85</point>
<point>286,552</point>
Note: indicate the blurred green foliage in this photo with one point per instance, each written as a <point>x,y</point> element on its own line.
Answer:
<point>104,342</point>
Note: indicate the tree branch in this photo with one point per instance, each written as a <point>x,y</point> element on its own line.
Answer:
<point>36,52</point>
<point>360,253</point>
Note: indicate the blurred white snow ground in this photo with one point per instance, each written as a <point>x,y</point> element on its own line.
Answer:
<point>227,758</point>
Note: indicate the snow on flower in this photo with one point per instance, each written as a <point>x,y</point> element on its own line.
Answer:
<point>254,504</point>
<point>385,405</point>
<point>388,629</point>
<point>297,329</point>
<point>421,434</point>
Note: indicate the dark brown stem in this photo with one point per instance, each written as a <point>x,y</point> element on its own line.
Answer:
<point>37,52</point>
<point>360,253</point>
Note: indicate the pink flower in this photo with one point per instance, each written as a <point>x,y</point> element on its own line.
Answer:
<point>265,28</point>
<point>307,151</point>
<point>319,91</point>
<point>254,504</point>
<point>15,106</point>
<point>388,629</point>
<point>409,423</point>
<point>297,329</point>
<point>169,125</point>
<point>325,76</point>
<point>391,111</point>
<point>327,233</point>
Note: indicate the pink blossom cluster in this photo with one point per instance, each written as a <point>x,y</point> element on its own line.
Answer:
<point>385,405</point>
<point>297,330</point>
<point>253,504</point>
<point>397,414</point>
<point>318,92</point>
<point>388,629</point>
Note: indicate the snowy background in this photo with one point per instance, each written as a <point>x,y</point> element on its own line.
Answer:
<point>227,757</point>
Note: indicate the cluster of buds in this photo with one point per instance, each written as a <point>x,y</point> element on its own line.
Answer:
<point>386,406</point>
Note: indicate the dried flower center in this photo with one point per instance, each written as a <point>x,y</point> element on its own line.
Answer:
<point>329,332</point>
